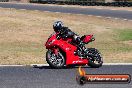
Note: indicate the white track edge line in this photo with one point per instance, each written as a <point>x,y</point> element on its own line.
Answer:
<point>103,64</point>
<point>48,65</point>
<point>12,65</point>
<point>117,63</point>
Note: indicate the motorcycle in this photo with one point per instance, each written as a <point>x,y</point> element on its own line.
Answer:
<point>63,52</point>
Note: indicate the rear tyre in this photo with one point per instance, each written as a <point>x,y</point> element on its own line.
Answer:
<point>95,59</point>
<point>55,61</point>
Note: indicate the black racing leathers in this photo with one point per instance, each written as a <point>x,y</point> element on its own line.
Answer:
<point>65,32</point>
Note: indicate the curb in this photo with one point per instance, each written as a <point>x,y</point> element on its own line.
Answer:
<point>117,63</point>
<point>39,65</point>
<point>13,65</point>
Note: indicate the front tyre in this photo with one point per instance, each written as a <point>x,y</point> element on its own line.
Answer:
<point>55,61</point>
<point>95,59</point>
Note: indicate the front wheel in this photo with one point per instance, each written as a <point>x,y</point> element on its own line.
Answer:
<point>95,59</point>
<point>55,61</point>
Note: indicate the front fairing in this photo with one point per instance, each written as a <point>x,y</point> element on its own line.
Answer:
<point>66,47</point>
<point>51,39</point>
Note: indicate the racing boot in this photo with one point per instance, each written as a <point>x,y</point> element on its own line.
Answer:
<point>80,50</point>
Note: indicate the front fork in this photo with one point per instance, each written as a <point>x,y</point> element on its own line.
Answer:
<point>56,50</point>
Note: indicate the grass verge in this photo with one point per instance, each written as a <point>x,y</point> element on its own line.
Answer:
<point>125,35</point>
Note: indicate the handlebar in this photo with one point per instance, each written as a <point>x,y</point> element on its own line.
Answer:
<point>93,39</point>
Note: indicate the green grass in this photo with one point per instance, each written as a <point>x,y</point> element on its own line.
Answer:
<point>125,35</point>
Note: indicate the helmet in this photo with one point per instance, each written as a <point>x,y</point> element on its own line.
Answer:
<point>57,26</point>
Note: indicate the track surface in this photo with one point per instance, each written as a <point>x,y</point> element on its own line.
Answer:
<point>74,10</point>
<point>45,77</point>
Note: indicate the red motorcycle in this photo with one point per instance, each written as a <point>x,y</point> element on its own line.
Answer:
<point>63,52</point>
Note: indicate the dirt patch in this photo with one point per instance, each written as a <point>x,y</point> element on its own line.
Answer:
<point>128,42</point>
<point>125,57</point>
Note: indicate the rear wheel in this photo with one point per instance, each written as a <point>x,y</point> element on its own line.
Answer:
<point>95,59</point>
<point>55,61</point>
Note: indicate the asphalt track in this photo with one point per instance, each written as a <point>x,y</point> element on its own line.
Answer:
<point>122,14</point>
<point>45,77</point>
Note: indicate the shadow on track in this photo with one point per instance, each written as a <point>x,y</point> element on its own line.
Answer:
<point>48,67</point>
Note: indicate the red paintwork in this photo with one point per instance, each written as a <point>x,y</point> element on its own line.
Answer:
<point>87,38</point>
<point>67,48</point>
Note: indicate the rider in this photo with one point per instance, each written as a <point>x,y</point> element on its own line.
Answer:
<point>65,32</point>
